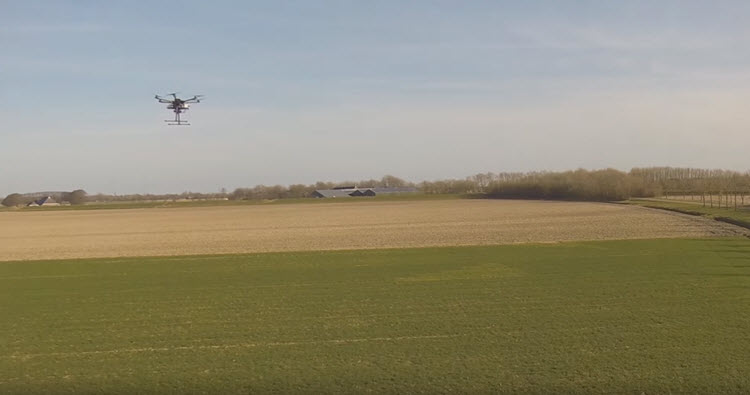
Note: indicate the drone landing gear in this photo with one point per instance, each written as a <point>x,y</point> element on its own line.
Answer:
<point>177,123</point>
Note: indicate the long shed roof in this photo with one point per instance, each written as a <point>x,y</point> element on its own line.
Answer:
<point>332,193</point>
<point>349,192</point>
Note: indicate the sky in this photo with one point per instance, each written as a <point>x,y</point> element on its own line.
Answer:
<point>301,91</point>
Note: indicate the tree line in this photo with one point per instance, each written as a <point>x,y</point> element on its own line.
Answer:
<point>303,191</point>
<point>588,185</point>
<point>597,185</point>
<point>259,192</point>
<point>76,197</point>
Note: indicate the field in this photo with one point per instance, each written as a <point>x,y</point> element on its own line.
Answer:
<point>741,215</point>
<point>186,203</point>
<point>468,296</point>
<point>28,235</point>
<point>653,316</point>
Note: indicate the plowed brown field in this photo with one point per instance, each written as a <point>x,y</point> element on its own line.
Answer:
<point>358,225</point>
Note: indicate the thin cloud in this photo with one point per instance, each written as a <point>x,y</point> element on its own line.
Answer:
<point>44,29</point>
<point>561,36</point>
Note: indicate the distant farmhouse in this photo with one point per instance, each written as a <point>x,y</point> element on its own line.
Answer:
<point>353,191</point>
<point>45,201</point>
<point>48,198</point>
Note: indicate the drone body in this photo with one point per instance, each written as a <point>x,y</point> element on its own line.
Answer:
<point>178,106</point>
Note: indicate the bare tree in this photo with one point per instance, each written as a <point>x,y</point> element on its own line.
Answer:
<point>77,197</point>
<point>14,199</point>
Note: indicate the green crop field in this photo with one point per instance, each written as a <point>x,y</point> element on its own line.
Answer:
<point>739,216</point>
<point>653,316</point>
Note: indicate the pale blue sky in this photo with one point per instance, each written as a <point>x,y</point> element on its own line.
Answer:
<point>299,91</point>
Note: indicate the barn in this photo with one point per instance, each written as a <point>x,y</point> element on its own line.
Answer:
<point>333,193</point>
<point>345,192</point>
<point>45,201</point>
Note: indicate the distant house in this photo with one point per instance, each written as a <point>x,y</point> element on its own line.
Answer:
<point>45,201</point>
<point>47,198</point>
<point>333,193</point>
<point>358,192</point>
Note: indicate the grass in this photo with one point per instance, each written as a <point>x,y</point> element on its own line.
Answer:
<point>218,203</point>
<point>618,316</point>
<point>740,216</point>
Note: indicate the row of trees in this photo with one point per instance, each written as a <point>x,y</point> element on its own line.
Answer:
<point>76,197</point>
<point>711,187</point>
<point>608,184</point>
<point>694,181</point>
<point>257,192</point>
<point>611,184</point>
<point>597,185</point>
<point>106,198</point>
<point>302,190</point>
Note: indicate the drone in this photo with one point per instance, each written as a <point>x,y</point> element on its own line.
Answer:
<point>178,106</point>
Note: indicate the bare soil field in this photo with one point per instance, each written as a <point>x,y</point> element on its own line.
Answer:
<point>361,225</point>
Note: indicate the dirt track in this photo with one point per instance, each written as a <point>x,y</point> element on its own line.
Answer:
<point>241,229</point>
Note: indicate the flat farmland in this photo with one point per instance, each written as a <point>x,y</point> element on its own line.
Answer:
<point>358,225</point>
<point>624,316</point>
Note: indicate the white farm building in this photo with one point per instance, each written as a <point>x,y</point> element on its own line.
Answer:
<point>346,192</point>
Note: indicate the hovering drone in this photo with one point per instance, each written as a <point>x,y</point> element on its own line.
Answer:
<point>178,106</point>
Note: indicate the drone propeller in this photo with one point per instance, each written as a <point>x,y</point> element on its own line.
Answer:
<point>196,98</point>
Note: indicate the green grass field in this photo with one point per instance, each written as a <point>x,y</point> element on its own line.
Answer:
<point>740,216</point>
<point>653,316</point>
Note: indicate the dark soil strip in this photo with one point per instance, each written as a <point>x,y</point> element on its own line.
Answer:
<point>733,221</point>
